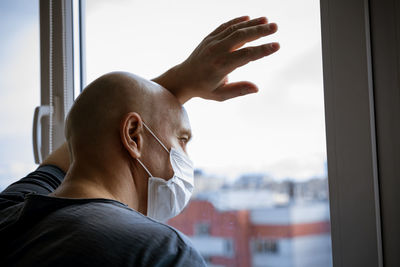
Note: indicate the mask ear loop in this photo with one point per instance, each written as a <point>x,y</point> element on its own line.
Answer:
<point>151,132</point>
<point>159,141</point>
<point>144,167</point>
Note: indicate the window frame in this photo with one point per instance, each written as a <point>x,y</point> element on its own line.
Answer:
<point>361,81</point>
<point>351,136</point>
<point>361,162</point>
<point>385,43</point>
<point>62,71</point>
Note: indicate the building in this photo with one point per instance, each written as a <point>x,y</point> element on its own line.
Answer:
<point>293,235</point>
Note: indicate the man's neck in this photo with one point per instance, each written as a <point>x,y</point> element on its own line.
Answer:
<point>82,181</point>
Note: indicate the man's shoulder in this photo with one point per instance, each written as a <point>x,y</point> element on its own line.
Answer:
<point>125,229</point>
<point>130,223</point>
<point>113,218</point>
<point>96,232</point>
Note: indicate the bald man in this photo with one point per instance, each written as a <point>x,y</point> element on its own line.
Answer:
<point>102,197</point>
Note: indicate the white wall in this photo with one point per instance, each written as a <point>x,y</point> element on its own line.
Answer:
<point>306,251</point>
<point>292,214</point>
<point>211,246</point>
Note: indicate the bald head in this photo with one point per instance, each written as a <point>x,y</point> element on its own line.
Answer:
<point>94,121</point>
<point>107,139</point>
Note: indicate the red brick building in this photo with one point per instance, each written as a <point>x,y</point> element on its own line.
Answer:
<point>277,236</point>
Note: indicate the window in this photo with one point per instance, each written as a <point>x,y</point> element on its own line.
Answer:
<point>352,36</point>
<point>261,159</point>
<point>229,247</point>
<point>202,229</point>
<point>265,246</point>
<point>20,86</point>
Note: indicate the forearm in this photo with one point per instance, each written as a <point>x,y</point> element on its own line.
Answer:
<point>59,158</point>
<point>173,81</point>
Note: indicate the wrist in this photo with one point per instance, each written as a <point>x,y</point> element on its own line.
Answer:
<point>174,80</point>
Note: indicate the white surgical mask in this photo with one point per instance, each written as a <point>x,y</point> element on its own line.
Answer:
<point>166,199</point>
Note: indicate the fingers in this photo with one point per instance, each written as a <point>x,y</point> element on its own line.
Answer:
<point>245,55</point>
<point>236,26</point>
<point>229,23</point>
<point>245,35</point>
<point>231,90</point>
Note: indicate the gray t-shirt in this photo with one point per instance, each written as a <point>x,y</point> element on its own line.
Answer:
<point>39,230</point>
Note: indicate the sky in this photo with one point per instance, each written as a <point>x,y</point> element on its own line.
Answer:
<point>278,131</point>
<point>20,86</point>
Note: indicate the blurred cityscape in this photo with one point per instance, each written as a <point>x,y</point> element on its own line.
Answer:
<point>258,221</point>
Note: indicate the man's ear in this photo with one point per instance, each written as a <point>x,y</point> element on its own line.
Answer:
<point>131,129</point>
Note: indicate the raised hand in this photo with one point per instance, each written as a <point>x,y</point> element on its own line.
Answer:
<point>204,72</point>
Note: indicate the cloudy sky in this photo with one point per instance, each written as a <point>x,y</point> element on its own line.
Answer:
<point>279,131</point>
<point>20,84</point>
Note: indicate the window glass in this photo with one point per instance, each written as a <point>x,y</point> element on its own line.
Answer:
<point>261,191</point>
<point>20,86</point>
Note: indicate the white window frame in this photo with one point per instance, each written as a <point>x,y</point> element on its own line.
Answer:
<point>362,109</point>
<point>62,71</point>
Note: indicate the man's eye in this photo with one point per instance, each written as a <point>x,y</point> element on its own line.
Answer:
<point>184,139</point>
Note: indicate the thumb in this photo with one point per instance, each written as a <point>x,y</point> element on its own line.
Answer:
<point>235,89</point>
